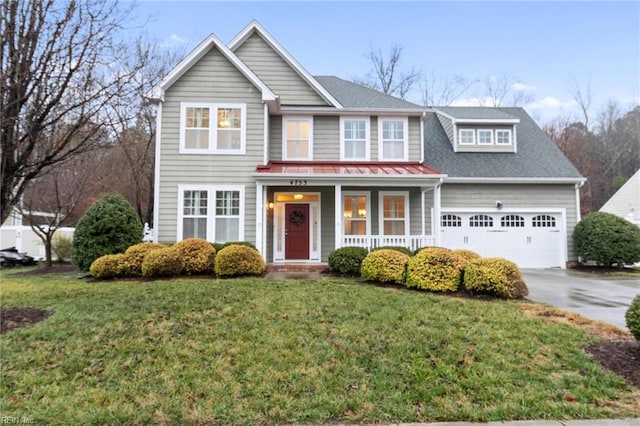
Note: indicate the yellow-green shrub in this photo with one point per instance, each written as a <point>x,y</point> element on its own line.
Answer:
<point>108,266</point>
<point>236,260</point>
<point>467,254</point>
<point>435,269</point>
<point>134,256</point>
<point>495,276</point>
<point>197,255</point>
<point>164,262</point>
<point>385,265</point>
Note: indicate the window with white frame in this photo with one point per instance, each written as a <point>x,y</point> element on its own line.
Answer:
<point>467,137</point>
<point>503,137</point>
<point>214,213</point>
<point>393,139</point>
<point>394,214</point>
<point>485,137</point>
<point>356,213</point>
<point>212,128</point>
<point>354,135</point>
<point>297,138</point>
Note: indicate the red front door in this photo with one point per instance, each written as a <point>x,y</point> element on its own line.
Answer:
<point>296,231</point>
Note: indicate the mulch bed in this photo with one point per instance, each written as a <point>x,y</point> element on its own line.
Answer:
<point>12,318</point>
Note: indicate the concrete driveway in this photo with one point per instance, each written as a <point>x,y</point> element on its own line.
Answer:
<point>596,297</point>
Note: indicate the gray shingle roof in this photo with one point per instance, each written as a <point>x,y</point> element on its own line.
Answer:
<point>476,113</point>
<point>353,95</point>
<point>536,156</point>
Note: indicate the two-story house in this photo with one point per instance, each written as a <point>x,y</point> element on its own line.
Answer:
<point>252,147</point>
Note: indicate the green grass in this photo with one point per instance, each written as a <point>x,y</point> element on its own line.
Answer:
<point>249,351</point>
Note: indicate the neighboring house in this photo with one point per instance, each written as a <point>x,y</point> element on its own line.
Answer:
<point>626,201</point>
<point>251,147</point>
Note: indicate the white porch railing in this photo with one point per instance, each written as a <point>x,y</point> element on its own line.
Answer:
<point>412,242</point>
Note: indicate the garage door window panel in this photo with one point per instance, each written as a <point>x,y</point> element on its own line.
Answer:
<point>512,221</point>
<point>481,221</point>
<point>543,221</point>
<point>451,221</point>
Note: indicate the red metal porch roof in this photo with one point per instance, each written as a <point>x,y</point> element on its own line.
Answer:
<point>354,169</point>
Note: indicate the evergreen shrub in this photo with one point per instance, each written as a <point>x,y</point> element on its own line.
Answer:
<point>385,265</point>
<point>435,269</point>
<point>237,260</point>
<point>347,260</point>
<point>607,240</point>
<point>197,255</point>
<point>108,266</point>
<point>632,317</point>
<point>495,276</point>
<point>163,262</point>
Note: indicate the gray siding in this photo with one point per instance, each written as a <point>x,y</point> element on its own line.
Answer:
<point>516,197</point>
<point>276,73</point>
<point>326,138</point>
<point>212,79</point>
<point>447,125</point>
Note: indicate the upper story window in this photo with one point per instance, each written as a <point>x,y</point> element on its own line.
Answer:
<point>485,137</point>
<point>212,128</point>
<point>393,139</point>
<point>297,138</point>
<point>354,138</point>
<point>503,137</point>
<point>467,137</point>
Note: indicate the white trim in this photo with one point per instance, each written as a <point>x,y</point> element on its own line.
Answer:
<point>156,177</point>
<point>424,114</point>
<point>158,91</point>
<point>285,120</point>
<point>239,39</point>
<point>455,120</point>
<point>367,138</point>
<point>213,128</point>
<point>578,212</point>
<point>490,132</point>
<point>265,141</point>
<point>407,212</point>
<point>367,195</point>
<point>260,212</point>
<point>405,142</point>
<point>337,209</point>
<point>472,131</point>
<point>513,180</point>
<point>211,206</point>
<point>365,112</point>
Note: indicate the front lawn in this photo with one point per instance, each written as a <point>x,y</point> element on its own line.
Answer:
<point>247,351</point>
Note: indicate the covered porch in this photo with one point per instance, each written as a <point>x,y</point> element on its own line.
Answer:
<point>305,210</point>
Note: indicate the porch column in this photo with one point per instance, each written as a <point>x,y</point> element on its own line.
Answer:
<point>260,212</point>
<point>435,220</point>
<point>338,218</point>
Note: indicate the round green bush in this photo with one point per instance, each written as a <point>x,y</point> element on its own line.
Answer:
<point>62,246</point>
<point>607,240</point>
<point>467,254</point>
<point>197,255</point>
<point>632,317</point>
<point>237,260</point>
<point>108,266</point>
<point>401,249</point>
<point>163,262</point>
<point>347,260</point>
<point>134,256</point>
<point>109,226</point>
<point>385,265</point>
<point>495,276</point>
<point>435,269</point>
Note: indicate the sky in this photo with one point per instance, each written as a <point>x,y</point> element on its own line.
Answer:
<point>544,46</point>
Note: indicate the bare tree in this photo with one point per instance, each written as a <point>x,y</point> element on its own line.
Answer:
<point>582,96</point>
<point>387,75</point>
<point>503,90</point>
<point>444,90</point>
<point>61,67</point>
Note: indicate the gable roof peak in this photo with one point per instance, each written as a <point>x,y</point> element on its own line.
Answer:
<point>255,27</point>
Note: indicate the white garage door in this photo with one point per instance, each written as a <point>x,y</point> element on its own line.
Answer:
<point>531,240</point>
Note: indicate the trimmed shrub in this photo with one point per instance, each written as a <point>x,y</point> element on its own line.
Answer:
<point>220,246</point>
<point>467,254</point>
<point>237,260</point>
<point>385,265</point>
<point>163,262</point>
<point>62,246</point>
<point>347,260</point>
<point>134,256</point>
<point>108,266</point>
<point>197,255</point>
<point>632,317</point>
<point>435,269</point>
<point>400,249</point>
<point>109,226</point>
<point>495,276</point>
<point>607,240</point>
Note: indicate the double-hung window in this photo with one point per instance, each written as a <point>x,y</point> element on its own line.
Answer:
<point>394,213</point>
<point>214,213</point>
<point>208,128</point>
<point>356,213</point>
<point>393,139</point>
<point>354,135</point>
<point>297,138</point>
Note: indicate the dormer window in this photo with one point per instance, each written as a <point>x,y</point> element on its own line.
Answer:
<point>467,137</point>
<point>503,137</point>
<point>485,137</point>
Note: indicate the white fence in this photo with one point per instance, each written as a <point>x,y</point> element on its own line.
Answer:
<point>25,240</point>
<point>412,242</point>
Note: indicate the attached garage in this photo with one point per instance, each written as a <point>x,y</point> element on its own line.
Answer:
<point>531,239</point>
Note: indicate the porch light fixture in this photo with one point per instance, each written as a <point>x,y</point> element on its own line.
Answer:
<point>498,205</point>
<point>298,196</point>
<point>270,205</point>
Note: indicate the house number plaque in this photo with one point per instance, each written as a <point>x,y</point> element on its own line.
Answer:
<point>298,182</point>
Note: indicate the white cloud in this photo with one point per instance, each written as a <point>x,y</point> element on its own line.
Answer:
<point>484,101</point>
<point>551,102</point>
<point>522,87</point>
<point>177,39</point>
